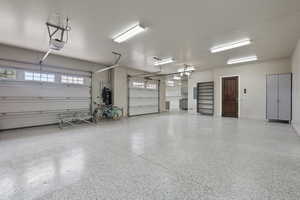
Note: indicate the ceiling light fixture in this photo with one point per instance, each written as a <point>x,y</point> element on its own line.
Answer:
<point>187,73</point>
<point>242,60</point>
<point>129,33</point>
<point>231,45</point>
<point>177,78</point>
<point>164,61</point>
<point>186,69</point>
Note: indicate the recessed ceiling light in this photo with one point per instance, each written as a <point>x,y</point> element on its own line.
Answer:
<point>242,60</point>
<point>129,33</point>
<point>230,45</point>
<point>164,61</point>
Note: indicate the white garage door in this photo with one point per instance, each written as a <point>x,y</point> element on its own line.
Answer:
<point>143,96</point>
<point>31,96</point>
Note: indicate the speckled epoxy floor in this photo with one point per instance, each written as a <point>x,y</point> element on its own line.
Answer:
<point>168,156</point>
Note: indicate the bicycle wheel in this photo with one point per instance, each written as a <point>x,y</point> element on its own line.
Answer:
<point>116,115</point>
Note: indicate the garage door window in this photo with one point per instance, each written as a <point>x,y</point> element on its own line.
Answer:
<point>138,84</point>
<point>171,84</point>
<point>72,80</point>
<point>8,74</point>
<point>151,86</point>
<point>43,77</point>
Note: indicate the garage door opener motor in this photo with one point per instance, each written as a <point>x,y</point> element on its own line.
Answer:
<point>58,35</point>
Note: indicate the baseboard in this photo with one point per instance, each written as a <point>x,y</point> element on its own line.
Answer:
<point>296,128</point>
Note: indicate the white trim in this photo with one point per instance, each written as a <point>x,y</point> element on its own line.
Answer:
<point>221,89</point>
<point>295,127</point>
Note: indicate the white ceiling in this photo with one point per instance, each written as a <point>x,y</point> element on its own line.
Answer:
<point>183,29</point>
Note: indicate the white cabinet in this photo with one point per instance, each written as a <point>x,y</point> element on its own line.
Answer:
<point>279,97</point>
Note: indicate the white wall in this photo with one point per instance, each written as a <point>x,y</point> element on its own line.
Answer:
<point>296,88</point>
<point>162,95</point>
<point>252,77</point>
<point>100,80</point>
<point>197,77</point>
<point>120,88</point>
<point>15,53</point>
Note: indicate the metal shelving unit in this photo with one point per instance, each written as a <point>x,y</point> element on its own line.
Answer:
<point>205,98</point>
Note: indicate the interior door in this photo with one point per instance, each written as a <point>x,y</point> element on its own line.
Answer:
<point>230,97</point>
<point>272,97</point>
<point>284,96</point>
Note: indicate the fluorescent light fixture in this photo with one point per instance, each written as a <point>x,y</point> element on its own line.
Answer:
<point>242,60</point>
<point>177,78</point>
<point>164,61</point>
<point>188,69</point>
<point>187,73</point>
<point>231,45</point>
<point>107,68</point>
<point>129,33</point>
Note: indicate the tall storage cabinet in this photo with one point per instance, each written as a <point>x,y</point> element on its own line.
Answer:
<point>279,97</point>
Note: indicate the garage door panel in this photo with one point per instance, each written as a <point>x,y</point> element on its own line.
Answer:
<point>143,93</point>
<point>144,101</point>
<point>67,91</point>
<point>47,105</point>
<point>34,119</point>
<point>143,110</point>
<point>12,90</point>
<point>30,103</point>
<point>143,97</point>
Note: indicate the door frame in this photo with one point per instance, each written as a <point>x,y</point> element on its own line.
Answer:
<point>221,94</point>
